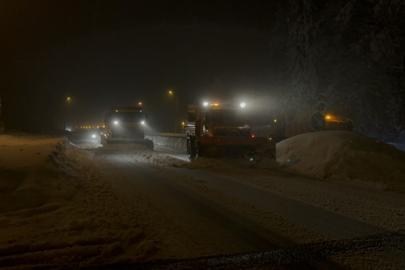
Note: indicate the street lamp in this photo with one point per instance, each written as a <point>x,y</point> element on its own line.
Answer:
<point>140,103</point>
<point>171,93</point>
<point>68,100</point>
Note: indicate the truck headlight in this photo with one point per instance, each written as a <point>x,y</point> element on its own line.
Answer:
<point>143,123</point>
<point>93,136</point>
<point>115,122</point>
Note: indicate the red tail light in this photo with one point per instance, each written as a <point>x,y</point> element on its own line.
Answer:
<point>253,135</point>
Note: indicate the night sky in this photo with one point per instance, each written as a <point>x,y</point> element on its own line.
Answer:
<point>103,53</point>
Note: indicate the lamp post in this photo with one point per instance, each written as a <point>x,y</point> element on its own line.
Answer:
<point>68,101</point>
<point>171,93</point>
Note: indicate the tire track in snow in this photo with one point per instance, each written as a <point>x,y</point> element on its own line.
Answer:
<point>250,233</point>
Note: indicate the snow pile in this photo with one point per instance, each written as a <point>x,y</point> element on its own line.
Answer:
<point>174,142</point>
<point>343,155</point>
<point>400,146</point>
<point>26,179</point>
<point>56,210</point>
<point>210,163</point>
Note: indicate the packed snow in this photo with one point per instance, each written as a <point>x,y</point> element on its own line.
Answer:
<point>338,155</point>
<point>57,210</point>
<point>343,155</point>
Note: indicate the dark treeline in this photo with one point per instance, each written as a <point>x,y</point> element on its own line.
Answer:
<point>346,53</point>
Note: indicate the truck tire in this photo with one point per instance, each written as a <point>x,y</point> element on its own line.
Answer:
<point>191,149</point>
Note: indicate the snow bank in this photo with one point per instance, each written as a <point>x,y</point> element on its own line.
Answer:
<point>323,155</point>
<point>400,146</point>
<point>56,211</point>
<point>171,141</point>
<point>26,178</point>
<point>343,155</point>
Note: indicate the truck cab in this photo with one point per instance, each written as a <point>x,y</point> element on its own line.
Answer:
<point>216,131</point>
<point>126,124</point>
<point>216,121</point>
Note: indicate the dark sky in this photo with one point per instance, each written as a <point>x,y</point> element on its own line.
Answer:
<point>104,53</point>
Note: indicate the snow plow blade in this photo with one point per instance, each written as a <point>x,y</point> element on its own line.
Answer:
<point>146,142</point>
<point>241,147</point>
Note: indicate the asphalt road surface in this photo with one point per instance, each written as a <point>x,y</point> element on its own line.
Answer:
<point>234,216</point>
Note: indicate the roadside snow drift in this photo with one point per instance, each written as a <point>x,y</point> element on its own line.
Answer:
<point>343,155</point>
<point>26,178</point>
<point>56,211</point>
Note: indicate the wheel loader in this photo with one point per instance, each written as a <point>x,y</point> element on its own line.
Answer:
<point>218,131</point>
<point>321,118</point>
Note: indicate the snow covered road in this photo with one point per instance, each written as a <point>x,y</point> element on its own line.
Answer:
<point>200,209</point>
<point>127,206</point>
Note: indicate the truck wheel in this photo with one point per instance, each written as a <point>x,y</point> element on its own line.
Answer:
<point>191,149</point>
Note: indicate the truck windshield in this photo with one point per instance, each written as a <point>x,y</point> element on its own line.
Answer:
<point>228,117</point>
<point>127,116</point>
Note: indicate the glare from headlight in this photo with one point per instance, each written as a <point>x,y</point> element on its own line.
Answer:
<point>143,122</point>
<point>205,104</point>
<point>93,136</point>
<point>115,122</point>
<point>243,105</point>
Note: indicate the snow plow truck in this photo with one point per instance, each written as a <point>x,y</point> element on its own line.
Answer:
<point>292,123</point>
<point>217,131</point>
<point>125,125</point>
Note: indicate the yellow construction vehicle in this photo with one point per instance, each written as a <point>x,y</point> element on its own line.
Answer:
<point>289,124</point>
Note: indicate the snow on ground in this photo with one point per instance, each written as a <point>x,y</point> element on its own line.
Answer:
<point>338,155</point>
<point>400,146</point>
<point>55,210</point>
<point>22,161</point>
<point>343,155</point>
